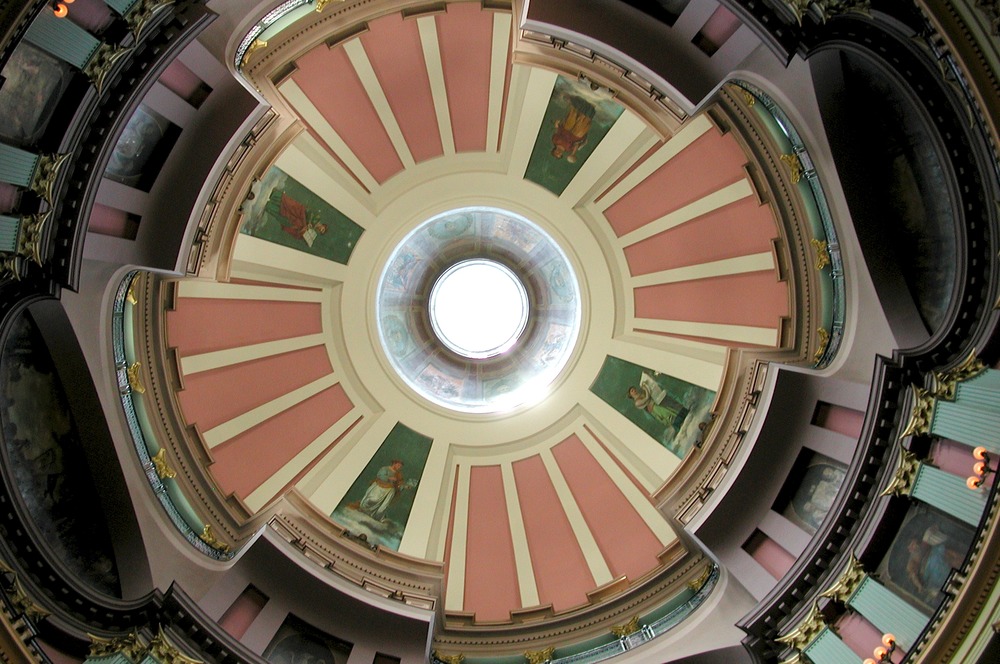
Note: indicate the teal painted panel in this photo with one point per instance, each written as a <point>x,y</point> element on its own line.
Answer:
<point>949,493</point>
<point>967,424</point>
<point>9,228</point>
<point>827,648</point>
<point>63,39</point>
<point>16,165</point>
<point>889,612</point>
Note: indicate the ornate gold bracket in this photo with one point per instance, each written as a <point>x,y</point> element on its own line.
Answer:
<point>827,9</point>
<point>134,379</point>
<point>162,466</point>
<point>130,645</point>
<point>539,656</point>
<point>821,346</point>
<point>102,61</point>
<point>794,166</point>
<point>321,5</point>
<point>921,415</point>
<point>906,473</point>
<point>847,583</point>
<point>46,171</point>
<point>209,538</point>
<point>164,652</point>
<point>805,631</point>
<point>29,241</point>
<point>256,45</point>
<point>142,13</point>
<point>457,658</point>
<point>946,382</point>
<point>623,630</point>
<point>822,253</point>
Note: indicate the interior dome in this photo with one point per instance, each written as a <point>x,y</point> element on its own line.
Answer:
<point>478,310</point>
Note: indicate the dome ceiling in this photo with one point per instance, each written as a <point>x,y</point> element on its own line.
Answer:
<point>543,505</point>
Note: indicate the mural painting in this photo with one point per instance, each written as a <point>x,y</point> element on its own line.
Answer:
<point>928,546</point>
<point>141,149</point>
<point>577,118</point>
<point>44,459</point>
<point>815,493</point>
<point>281,210</point>
<point>667,408</point>
<point>298,642</point>
<point>377,506</point>
<point>34,82</point>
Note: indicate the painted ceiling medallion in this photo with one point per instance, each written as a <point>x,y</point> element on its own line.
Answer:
<point>478,310</point>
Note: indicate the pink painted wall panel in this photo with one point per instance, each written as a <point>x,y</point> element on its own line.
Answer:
<point>840,419</point>
<point>710,163</point>
<point>754,298</point>
<point>243,463</point>
<point>393,47</point>
<point>328,79</point>
<point>491,588</point>
<point>770,556</point>
<point>628,545</point>
<point>956,458</point>
<point>241,614</point>
<point>721,25</point>
<point>91,15</point>
<point>106,220</point>
<point>862,637</point>
<point>561,572</point>
<point>465,35</point>
<point>739,229</point>
<point>210,398</point>
<point>202,325</point>
<point>180,80</point>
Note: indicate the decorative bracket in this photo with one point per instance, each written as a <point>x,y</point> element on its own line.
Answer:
<point>906,474</point>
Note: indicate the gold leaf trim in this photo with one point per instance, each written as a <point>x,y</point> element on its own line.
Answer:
<point>794,166</point>
<point>631,627</point>
<point>162,466</point>
<point>822,344</point>
<point>847,582</point>
<point>134,379</point>
<point>946,382</point>
<point>539,656</point>
<point>822,253</point>
<point>806,631</point>
<point>457,658</point>
<point>209,538</point>
<point>906,473</point>
<point>921,415</point>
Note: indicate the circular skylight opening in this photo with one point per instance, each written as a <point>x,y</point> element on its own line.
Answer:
<point>478,308</point>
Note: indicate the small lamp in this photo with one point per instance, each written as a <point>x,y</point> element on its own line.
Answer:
<point>981,468</point>
<point>883,653</point>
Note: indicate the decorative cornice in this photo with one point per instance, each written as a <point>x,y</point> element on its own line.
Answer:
<point>946,382</point>
<point>906,474</point>
<point>130,646</point>
<point>44,177</point>
<point>103,61</point>
<point>806,631</point>
<point>921,414</point>
<point>847,583</point>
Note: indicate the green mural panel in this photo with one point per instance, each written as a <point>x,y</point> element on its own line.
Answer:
<point>285,212</point>
<point>667,408</point>
<point>378,504</point>
<point>576,120</point>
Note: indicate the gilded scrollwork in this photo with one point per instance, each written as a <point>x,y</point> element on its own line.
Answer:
<point>162,466</point>
<point>823,342</point>
<point>822,253</point>
<point>135,378</point>
<point>256,45</point>
<point>142,13</point>
<point>44,177</point>
<point>457,658</point>
<point>164,652</point>
<point>130,646</point>
<point>29,241</point>
<point>826,9</point>
<point>209,538</point>
<point>103,61</point>
<point>794,165</point>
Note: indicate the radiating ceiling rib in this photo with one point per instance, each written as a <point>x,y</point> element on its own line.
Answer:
<point>264,493</point>
<point>498,77</point>
<point>307,162</point>
<point>350,465</point>
<point>192,364</point>
<point>655,456</point>
<point>595,559</point>
<point>454,599</point>
<point>618,142</point>
<point>713,201</point>
<point>522,557</point>
<point>429,499</point>
<point>232,428</point>
<point>216,290</point>
<point>688,134</point>
<point>435,73</point>
<point>703,373</point>
<point>759,262</point>
<point>725,333</point>
<point>529,120</point>
<point>311,115</point>
<point>254,258</point>
<point>366,74</point>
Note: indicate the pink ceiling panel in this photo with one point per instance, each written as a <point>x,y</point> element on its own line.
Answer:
<point>561,572</point>
<point>627,543</point>
<point>708,164</point>
<point>210,398</point>
<point>393,47</point>
<point>245,462</point>
<point>756,299</point>
<point>491,588</point>
<point>202,325</point>
<point>738,229</point>
<point>328,78</point>
<point>465,35</point>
